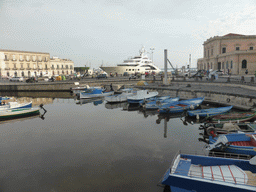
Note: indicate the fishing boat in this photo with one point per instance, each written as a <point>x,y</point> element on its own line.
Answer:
<point>234,117</point>
<point>18,113</point>
<point>94,92</point>
<point>215,129</point>
<point>120,97</point>
<point>141,96</point>
<point>15,105</point>
<point>208,112</point>
<point>181,106</point>
<point>206,173</point>
<point>239,143</point>
<point>153,105</point>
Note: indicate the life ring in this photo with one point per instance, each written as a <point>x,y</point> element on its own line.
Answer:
<point>228,100</point>
<point>211,131</point>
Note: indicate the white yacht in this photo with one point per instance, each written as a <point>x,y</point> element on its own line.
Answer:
<point>138,64</point>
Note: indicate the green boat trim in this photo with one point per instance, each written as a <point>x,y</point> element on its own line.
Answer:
<point>17,113</point>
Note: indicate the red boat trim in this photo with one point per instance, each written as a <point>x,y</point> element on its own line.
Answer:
<point>232,173</point>
<point>222,174</point>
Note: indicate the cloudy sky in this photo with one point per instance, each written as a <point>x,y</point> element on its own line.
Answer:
<point>96,32</point>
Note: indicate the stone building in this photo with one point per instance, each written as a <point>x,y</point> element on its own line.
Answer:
<point>28,64</point>
<point>233,53</point>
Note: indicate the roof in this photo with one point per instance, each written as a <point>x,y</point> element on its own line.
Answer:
<point>232,34</point>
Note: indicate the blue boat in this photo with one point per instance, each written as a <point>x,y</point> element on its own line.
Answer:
<point>206,173</point>
<point>95,92</point>
<point>209,112</point>
<point>181,106</point>
<point>241,143</point>
<point>153,105</point>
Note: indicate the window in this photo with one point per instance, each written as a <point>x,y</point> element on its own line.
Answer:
<point>34,58</point>
<point>251,48</point>
<point>223,49</point>
<point>27,57</point>
<point>208,53</point>
<point>5,58</point>
<point>8,74</point>
<point>66,66</point>
<point>13,58</point>
<point>222,65</point>
<point>28,65</point>
<point>40,58</point>
<point>57,66</point>
<point>28,73</point>
<point>14,66</point>
<point>45,66</point>
<point>21,66</point>
<point>244,64</point>
<point>227,65</point>
<point>22,73</point>
<point>237,48</point>
<point>21,57</point>
<point>132,69</point>
<point>231,64</point>
<point>211,51</point>
<point>62,66</point>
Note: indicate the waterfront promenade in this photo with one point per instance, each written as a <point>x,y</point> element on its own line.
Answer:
<point>238,91</point>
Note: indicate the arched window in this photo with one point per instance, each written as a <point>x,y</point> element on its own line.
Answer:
<point>244,64</point>
<point>22,73</point>
<point>28,73</point>
<point>15,73</point>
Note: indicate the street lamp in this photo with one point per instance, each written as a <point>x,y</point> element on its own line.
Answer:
<point>152,51</point>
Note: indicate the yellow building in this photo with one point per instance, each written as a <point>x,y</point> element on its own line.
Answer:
<point>28,64</point>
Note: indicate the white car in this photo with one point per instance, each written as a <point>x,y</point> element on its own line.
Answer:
<point>19,79</point>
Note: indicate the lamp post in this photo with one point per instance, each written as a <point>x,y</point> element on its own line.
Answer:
<point>152,51</point>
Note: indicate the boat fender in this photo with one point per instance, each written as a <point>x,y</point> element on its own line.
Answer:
<point>228,100</point>
<point>211,131</point>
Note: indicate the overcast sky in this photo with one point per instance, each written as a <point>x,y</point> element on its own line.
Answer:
<point>92,32</point>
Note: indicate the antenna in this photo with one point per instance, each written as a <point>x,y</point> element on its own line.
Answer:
<point>152,51</point>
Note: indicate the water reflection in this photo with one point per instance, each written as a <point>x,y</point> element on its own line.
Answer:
<point>116,105</point>
<point>95,101</point>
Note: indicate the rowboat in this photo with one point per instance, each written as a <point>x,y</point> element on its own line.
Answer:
<point>17,113</point>
<point>234,117</point>
<point>209,112</point>
<point>15,105</point>
<point>95,92</point>
<point>239,143</point>
<point>141,95</point>
<point>153,105</point>
<point>205,173</point>
<point>181,106</point>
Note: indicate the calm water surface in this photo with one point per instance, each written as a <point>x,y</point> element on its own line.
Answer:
<point>91,147</point>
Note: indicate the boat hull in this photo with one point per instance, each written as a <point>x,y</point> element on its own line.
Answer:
<point>18,113</point>
<point>209,112</point>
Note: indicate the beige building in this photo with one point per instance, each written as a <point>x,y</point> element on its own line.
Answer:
<point>28,64</point>
<point>230,53</point>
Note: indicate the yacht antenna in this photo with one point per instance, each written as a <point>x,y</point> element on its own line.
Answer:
<point>152,51</point>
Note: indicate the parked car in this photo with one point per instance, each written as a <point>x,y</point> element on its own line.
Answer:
<point>19,79</point>
<point>102,76</point>
<point>31,80</point>
<point>132,77</point>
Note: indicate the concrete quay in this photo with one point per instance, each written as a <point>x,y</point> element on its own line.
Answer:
<point>242,95</point>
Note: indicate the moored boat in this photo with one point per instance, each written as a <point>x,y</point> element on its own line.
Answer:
<point>120,97</point>
<point>18,113</point>
<point>240,143</point>
<point>205,173</point>
<point>94,92</point>
<point>181,106</point>
<point>153,105</point>
<point>209,112</point>
<point>15,105</point>
<point>141,96</point>
<point>234,117</point>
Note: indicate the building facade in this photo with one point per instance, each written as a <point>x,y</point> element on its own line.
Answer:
<point>233,53</point>
<point>29,64</point>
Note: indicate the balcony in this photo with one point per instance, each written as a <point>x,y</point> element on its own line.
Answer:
<point>21,60</point>
<point>52,68</point>
<point>7,68</point>
<point>46,68</point>
<point>6,59</point>
<point>28,60</point>
<point>29,68</point>
<point>14,69</point>
<point>22,68</point>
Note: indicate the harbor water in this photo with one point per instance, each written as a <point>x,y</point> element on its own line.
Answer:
<point>91,146</point>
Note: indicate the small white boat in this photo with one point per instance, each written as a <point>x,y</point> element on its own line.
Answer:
<point>141,95</point>
<point>120,97</point>
<point>15,105</point>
